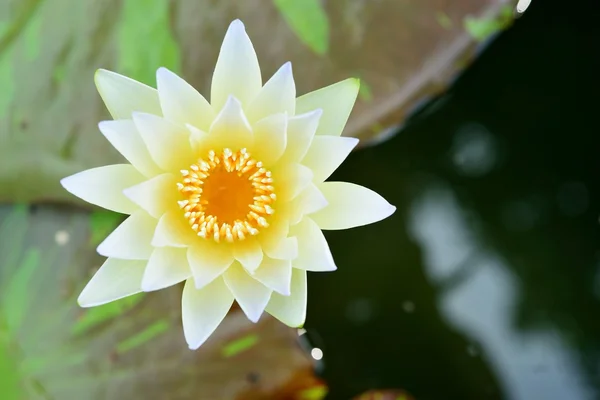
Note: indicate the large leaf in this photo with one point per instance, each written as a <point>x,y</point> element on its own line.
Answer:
<point>49,50</point>
<point>134,348</point>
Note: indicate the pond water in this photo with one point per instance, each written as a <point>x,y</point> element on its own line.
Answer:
<point>485,284</point>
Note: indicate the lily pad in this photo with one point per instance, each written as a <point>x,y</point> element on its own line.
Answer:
<point>134,348</point>
<point>49,108</point>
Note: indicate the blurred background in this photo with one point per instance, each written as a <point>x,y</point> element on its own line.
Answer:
<point>478,121</point>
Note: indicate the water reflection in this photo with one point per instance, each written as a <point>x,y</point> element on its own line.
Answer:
<point>482,305</point>
<point>485,283</point>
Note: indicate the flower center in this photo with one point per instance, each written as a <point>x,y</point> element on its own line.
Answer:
<point>227,195</point>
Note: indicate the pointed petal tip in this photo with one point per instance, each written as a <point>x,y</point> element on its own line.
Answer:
<point>391,210</point>
<point>194,346</point>
<point>254,318</point>
<point>237,24</point>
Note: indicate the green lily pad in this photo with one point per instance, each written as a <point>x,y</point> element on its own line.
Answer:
<point>49,108</point>
<point>134,348</point>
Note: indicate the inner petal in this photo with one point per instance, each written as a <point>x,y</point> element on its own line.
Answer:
<point>227,195</point>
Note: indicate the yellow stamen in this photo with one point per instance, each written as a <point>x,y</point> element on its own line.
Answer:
<point>227,196</point>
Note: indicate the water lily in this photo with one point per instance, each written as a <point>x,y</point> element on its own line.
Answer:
<point>227,195</point>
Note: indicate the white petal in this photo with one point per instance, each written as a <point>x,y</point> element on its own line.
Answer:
<point>270,139</point>
<point>291,310</point>
<point>203,310</point>
<point>155,195</point>
<point>271,237</point>
<point>300,133</point>
<point>335,100</point>
<point>173,230</point>
<point>199,140</point>
<point>313,250</point>
<point>291,180</point>
<point>103,186</point>
<point>231,128</point>
<point>114,280</point>
<point>249,253</point>
<point>123,95</point>
<point>124,137</point>
<point>168,143</point>
<point>286,249</point>
<point>278,95</point>
<point>132,239</point>
<point>181,103</point>
<point>326,154</point>
<point>275,274</point>
<point>208,260</point>
<point>309,201</point>
<point>167,266</point>
<point>251,295</point>
<point>350,205</point>
<point>237,71</point>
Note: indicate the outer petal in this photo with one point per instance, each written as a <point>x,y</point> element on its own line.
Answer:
<point>270,139</point>
<point>350,205</point>
<point>114,280</point>
<point>237,71</point>
<point>168,143</point>
<point>249,253</point>
<point>276,275</point>
<point>132,239</point>
<point>173,231</point>
<point>277,96</point>
<point>300,132</point>
<point>313,250</point>
<point>326,154</point>
<point>291,310</point>
<point>124,137</point>
<point>251,295</point>
<point>309,201</point>
<point>124,96</point>
<point>208,261</point>
<point>291,180</point>
<point>231,128</point>
<point>103,186</point>
<point>167,266</point>
<point>335,100</point>
<point>181,103</point>
<point>203,310</point>
<point>155,195</point>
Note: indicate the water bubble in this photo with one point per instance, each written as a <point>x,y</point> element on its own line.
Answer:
<point>316,353</point>
<point>62,237</point>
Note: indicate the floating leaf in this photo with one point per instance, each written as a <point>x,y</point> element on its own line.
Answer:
<point>239,345</point>
<point>47,68</point>
<point>101,224</point>
<point>92,317</point>
<point>115,351</point>
<point>482,28</point>
<point>143,337</point>
<point>9,377</point>
<point>308,20</point>
<point>15,293</point>
<point>143,22</point>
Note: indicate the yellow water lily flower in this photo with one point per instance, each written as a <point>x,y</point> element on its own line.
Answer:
<point>227,195</point>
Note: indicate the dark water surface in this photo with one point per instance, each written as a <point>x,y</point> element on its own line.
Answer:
<point>485,284</point>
